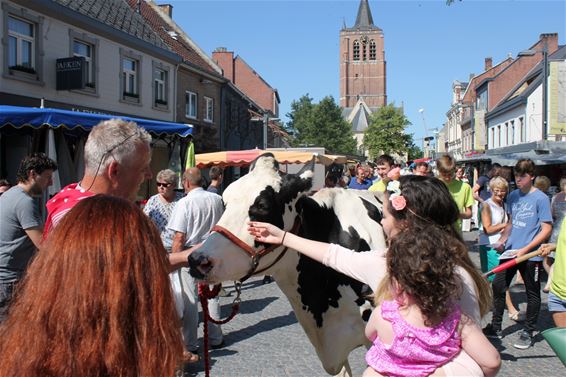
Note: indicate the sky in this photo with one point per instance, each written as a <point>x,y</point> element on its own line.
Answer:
<point>294,45</point>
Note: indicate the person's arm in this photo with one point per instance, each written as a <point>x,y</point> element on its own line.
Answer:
<point>542,236</point>
<point>478,347</point>
<point>178,242</point>
<point>504,235</point>
<point>268,233</point>
<point>36,235</point>
<point>466,213</point>
<point>180,258</point>
<point>368,267</point>
<point>547,248</point>
<point>468,202</point>
<point>476,193</point>
<point>488,227</point>
<point>373,322</point>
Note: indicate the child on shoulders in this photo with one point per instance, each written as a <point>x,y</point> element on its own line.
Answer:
<point>417,326</point>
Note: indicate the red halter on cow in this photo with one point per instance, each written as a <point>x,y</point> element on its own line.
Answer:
<point>328,305</point>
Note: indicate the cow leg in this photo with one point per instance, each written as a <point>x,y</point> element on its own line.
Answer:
<point>346,371</point>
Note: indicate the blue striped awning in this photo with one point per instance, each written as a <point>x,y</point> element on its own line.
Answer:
<point>17,116</point>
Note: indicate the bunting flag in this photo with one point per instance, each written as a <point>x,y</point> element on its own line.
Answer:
<point>190,158</point>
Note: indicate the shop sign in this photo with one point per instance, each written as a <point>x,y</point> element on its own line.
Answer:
<point>71,73</point>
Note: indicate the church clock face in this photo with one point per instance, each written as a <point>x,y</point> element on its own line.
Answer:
<point>364,39</point>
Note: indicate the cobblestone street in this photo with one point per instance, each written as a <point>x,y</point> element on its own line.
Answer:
<point>265,340</point>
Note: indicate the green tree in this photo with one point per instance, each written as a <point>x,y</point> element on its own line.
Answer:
<point>320,125</point>
<point>386,132</point>
<point>414,151</point>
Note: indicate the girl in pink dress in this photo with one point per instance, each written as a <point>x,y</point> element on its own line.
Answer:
<point>417,326</point>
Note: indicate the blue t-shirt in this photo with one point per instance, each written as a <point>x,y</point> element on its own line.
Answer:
<point>527,213</point>
<point>360,186</point>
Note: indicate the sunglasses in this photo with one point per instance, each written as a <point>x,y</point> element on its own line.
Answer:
<point>160,184</point>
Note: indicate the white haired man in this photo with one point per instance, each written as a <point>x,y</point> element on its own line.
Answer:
<point>117,156</point>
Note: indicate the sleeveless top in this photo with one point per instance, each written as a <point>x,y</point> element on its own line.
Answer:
<point>498,216</point>
<point>414,351</point>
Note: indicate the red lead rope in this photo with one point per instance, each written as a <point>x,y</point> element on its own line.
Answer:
<point>205,293</point>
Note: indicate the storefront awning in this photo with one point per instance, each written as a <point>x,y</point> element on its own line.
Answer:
<point>245,158</point>
<point>17,116</point>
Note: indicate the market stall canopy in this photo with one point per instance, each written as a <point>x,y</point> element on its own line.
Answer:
<point>244,158</point>
<point>17,116</point>
<point>425,159</point>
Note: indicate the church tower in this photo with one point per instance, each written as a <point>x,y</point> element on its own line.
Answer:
<point>362,62</point>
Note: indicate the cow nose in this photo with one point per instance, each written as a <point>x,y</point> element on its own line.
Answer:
<point>199,265</point>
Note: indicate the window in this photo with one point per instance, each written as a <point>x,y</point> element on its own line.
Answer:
<point>364,47</point>
<point>129,77</point>
<point>506,133</point>
<point>481,101</point>
<point>86,50</point>
<point>21,45</point>
<point>191,105</point>
<point>159,86</point>
<point>372,50</point>
<point>523,130</point>
<point>356,50</point>
<point>209,109</point>
<point>498,136</point>
<point>512,131</point>
<point>492,139</point>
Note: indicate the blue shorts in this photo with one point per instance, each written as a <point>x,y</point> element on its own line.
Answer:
<point>555,303</point>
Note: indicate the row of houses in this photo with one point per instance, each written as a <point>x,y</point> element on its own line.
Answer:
<point>513,109</point>
<point>134,61</point>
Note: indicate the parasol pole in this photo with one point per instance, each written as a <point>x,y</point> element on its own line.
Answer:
<point>513,262</point>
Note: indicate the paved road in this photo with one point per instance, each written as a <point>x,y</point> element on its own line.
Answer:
<point>265,340</point>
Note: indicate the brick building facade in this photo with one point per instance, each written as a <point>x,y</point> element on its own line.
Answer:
<point>362,62</point>
<point>248,80</point>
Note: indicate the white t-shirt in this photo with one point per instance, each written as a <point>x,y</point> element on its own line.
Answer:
<point>195,215</point>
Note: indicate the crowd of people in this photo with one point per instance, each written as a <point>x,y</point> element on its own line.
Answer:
<point>105,287</point>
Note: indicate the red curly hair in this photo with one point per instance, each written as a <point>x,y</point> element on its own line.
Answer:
<point>96,301</point>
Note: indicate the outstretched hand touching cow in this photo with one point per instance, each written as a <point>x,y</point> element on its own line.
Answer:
<point>269,233</point>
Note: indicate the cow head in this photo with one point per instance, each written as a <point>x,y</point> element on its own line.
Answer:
<point>261,195</point>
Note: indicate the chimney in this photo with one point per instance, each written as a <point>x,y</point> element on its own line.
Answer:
<point>225,59</point>
<point>488,63</point>
<point>470,77</point>
<point>552,41</point>
<point>167,9</point>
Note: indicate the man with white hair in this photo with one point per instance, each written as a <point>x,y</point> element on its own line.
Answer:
<point>117,156</point>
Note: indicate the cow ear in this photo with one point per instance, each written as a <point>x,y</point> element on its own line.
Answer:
<point>293,185</point>
<point>272,162</point>
<point>307,172</point>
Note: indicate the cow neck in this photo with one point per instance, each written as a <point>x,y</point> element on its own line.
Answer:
<point>256,255</point>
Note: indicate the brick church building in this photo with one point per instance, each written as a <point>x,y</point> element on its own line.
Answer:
<point>362,71</point>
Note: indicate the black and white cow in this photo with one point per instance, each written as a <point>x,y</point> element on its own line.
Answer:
<point>327,304</point>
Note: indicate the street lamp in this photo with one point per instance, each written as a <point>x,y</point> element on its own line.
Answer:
<point>544,52</point>
<point>425,146</point>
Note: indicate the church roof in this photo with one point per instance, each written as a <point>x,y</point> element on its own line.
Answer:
<point>364,20</point>
<point>358,116</point>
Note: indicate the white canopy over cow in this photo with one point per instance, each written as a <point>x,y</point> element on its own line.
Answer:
<point>328,305</point>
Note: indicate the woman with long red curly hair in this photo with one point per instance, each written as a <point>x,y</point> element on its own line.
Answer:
<point>96,301</point>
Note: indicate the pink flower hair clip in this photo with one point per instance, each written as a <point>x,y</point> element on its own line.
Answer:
<point>398,202</point>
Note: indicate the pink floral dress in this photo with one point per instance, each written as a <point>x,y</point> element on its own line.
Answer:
<point>414,351</point>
